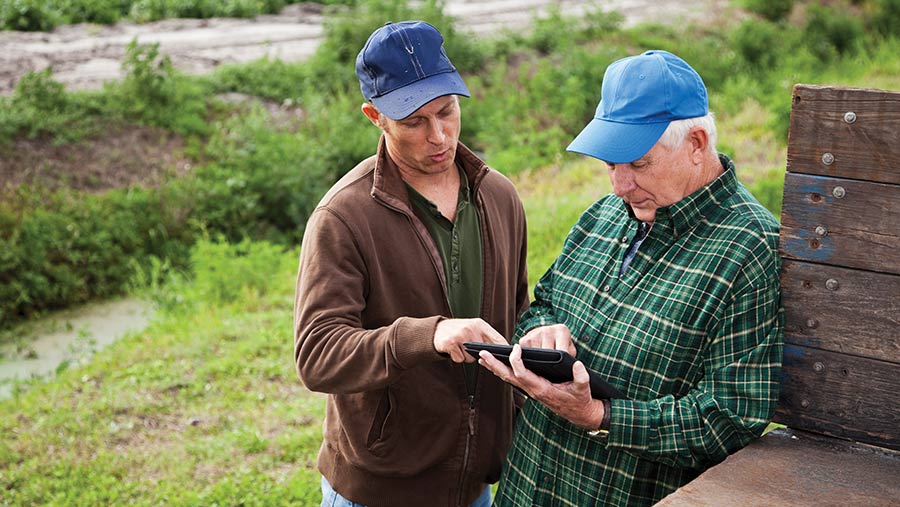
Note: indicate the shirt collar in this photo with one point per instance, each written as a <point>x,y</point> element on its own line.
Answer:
<point>688,212</point>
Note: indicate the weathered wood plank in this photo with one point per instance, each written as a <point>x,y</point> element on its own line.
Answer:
<point>841,222</point>
<point>868,148</point>
<point>840,395</point>
<point>858,315</point>
<point>797,469</point>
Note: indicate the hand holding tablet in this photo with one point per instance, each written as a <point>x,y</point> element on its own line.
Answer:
<point>553,365</point>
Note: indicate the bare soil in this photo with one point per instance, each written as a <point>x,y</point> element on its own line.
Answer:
<point>122,157</point>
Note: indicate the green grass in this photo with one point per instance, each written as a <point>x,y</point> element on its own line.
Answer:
<point>201,408</point>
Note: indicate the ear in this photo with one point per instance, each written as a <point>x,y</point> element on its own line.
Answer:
<point>699,141</point>
<point>372,113</point>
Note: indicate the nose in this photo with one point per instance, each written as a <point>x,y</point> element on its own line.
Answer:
<point>436,132</point>
<point>622,179</point>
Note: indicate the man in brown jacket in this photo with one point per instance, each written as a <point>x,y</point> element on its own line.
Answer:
<point>415,251</point>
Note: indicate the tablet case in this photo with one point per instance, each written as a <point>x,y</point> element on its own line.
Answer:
<point>553,365</point>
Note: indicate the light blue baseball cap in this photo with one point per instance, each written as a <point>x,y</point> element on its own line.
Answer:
<point>639,97</point>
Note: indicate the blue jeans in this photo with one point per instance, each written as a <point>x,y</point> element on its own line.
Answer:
<point>331,498</point>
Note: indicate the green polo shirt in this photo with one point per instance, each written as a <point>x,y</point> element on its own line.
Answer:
<point>459,243</point>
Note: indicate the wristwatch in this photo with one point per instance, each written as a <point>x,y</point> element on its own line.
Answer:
<point>603,430</point>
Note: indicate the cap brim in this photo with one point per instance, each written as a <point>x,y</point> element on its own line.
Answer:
<point>617,143</point>
<point>404,101</point>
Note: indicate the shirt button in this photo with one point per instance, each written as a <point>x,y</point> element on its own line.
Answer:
<point>606,288</point>
<point>547,478</point>
<point>624,239</point>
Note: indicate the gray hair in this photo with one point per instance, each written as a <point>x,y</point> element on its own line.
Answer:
<point>677,131</point>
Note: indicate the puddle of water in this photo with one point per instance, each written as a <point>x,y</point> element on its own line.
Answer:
<point>72,337</point>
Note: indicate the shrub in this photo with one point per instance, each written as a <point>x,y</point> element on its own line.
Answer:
<point>772,10</point>
<point>39,106</point>
<point>222,271</point>
<point>65,248</point>
<point>92,11</point>
<point>265,182</point>
<point>154,93</point>
<point>27,15</point>
<point>757,43</point>
<point>885,19</point>
<point>830,33</point>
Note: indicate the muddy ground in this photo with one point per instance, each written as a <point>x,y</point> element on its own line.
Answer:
<point>84,56</point>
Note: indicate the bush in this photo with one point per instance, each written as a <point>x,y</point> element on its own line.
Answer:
<point>223,272</point>
<point>27,15</point>
<point>757,42</point>
<point>153,93</point>
<point>772,10</point>
<point>92,11</point>
<point>830,33</point>
<point>885,19</point>
<point>67,248</point>
<point>266,182</point>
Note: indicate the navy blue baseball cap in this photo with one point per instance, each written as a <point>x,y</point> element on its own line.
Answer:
<point>403,66</point>
<point>639,97</point>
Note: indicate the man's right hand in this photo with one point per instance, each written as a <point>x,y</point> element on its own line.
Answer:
<point>450,335</point>
<point>554,336</point>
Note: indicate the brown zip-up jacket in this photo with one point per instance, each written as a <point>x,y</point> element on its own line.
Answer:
<point>400,427</point>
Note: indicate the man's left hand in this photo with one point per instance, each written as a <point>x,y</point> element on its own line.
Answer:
<point>570,400</point>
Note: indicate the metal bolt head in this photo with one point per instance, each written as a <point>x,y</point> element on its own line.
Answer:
<point>832,284</point>
<point>818,367</point>
<point>828,159</point>
<point>804,403</point>
<point>849,117</point>
<point>821,231</point>
<point>839,192</point>
<point>812,323</point>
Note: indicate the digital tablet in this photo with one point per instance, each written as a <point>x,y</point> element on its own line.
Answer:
<point>553,365</point>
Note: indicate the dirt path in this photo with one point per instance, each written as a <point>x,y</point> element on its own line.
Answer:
<point>84,56</point>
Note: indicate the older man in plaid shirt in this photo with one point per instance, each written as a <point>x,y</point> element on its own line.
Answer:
<point>669,289</point>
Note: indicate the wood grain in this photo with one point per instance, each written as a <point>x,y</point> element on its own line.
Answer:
<point>840,395</point>
<point>859,316</point>
<point>866,149</point>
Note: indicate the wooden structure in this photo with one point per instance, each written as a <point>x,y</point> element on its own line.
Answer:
<point>840,382</point>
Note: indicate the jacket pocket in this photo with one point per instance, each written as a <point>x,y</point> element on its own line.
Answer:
<point>382,412</point>
<point>402,430</point>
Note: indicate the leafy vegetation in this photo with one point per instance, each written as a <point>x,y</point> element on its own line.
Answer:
<point>260,164</point>
<point>44,15</point>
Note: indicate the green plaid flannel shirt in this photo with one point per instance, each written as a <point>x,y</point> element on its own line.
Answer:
<point>692,333</point>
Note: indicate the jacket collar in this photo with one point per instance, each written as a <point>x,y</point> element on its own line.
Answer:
<point>388,185</point>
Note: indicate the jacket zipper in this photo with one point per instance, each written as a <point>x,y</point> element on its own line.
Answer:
<point>469,435</point>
